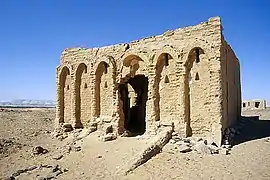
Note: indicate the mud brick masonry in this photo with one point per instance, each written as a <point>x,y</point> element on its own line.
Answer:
<point>254,104</point>
<point>188,77</point>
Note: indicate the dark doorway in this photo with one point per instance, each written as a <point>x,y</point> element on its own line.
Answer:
<point>135,114</point>
<point>257,104</point>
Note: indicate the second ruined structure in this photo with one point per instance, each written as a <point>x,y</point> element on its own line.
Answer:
<point>188,77</point>
<point>254,104</point>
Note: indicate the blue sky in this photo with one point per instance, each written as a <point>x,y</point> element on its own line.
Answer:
<point>33,34</point>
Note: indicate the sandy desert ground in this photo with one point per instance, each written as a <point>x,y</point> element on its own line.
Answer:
<point>22,130</point>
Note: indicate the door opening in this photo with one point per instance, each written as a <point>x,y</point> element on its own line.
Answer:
<point>134,94</point>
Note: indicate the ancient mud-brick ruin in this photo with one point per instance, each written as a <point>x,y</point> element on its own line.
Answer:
<point>254,104</point>
<point>189,77</point>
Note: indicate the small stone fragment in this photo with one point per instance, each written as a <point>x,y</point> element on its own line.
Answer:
<point>56,168</point>
<point>58,157</point>
<point>39,150</point>
<point>109,137</point>
<point>186,140</point>
<point>201,148</point>
<point>77,148</point>
<point>213,149</point>
<point>109,129</point>
<point>223,151</point>
<point>31,168</point>
<point>184,148</point>
<point>49,176</point>
<point>92,129</point>
<point>9,178</point>
<point>174,134</point>
<point>67,127</point>
<point>172,141</point>
<point>93,124</point>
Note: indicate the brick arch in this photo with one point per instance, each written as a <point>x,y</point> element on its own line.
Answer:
<point>64,84</point>
<point>134,64</point>
<point>192,56</point>
<point>82,94</point>
<point>105,86</point>
<point>107,59</point>
<point>168,50</point>
<point>143,56</point>
<point>196,65</point>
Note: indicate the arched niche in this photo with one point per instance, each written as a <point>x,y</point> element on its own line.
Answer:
<point>105,75</point>
<point>82,93</point>
<point>163,70</point>
<point>65,95</point>
<point>196,90</point>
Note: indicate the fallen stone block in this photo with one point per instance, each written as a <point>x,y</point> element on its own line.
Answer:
<point>155,147</point>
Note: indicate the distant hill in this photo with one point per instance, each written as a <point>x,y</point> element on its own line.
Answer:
<point>27,103</point>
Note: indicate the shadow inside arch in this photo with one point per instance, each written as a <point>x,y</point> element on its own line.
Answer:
<point>252,128</point>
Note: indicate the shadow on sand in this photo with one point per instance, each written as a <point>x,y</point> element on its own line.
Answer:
<point>252,128</point>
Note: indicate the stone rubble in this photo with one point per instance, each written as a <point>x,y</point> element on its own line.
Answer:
<point>196,144</point>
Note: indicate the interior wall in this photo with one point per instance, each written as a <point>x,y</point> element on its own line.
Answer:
<point>231,86</point>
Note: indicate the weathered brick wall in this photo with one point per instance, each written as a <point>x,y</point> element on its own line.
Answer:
<point>106,93</point>
<point>167,90</point>
<point>198,104</point>
<point>83,95</point>
<point>199,81</point>
<point>67,82</point>
<point>231,85</point>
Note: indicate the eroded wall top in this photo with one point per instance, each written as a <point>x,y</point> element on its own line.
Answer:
<point>178,42</point>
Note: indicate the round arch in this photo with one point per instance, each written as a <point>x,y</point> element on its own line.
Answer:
<point>64,87</point>
<point>162,61</point>
<point>105,92</point>
<point>192,58</point>
<point>193,55</point>
<point>80,95</point>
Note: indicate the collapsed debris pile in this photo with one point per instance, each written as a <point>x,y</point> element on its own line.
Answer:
<point>197,144</point>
